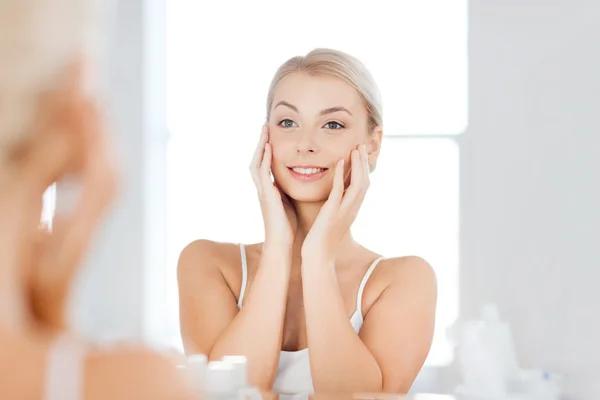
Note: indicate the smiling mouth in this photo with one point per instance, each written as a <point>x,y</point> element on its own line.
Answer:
<point>307,171</point>
<point>307,174</point>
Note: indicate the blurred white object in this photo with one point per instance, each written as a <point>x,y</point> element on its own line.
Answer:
<point>220,381</point>
<point>240,370</point>
<point>196,371</point>
<point>488,363</point>
<point>539,384</point>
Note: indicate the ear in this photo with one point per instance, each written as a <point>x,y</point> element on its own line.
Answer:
<point>374,146</point>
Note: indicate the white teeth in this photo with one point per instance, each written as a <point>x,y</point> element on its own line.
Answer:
<point>307,171</point>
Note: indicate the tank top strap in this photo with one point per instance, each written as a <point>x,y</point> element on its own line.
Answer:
<point>363,283</point>
<point>244,275</point>
<point>65,369</point>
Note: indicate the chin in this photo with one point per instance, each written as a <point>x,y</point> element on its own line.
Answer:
<point>316,191</point>
<point>305,192</point>
<point>307,195</point>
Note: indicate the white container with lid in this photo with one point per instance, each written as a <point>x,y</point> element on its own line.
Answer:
<point>220,381</point>
<point>240,370</point>
<point>196,371</point>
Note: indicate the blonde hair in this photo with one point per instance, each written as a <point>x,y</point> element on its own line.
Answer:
<point>338,64</point>
<point>38,40</point>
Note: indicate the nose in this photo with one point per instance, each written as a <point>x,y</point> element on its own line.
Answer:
<point>307,142</point>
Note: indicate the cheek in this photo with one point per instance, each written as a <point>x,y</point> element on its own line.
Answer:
<point>343,150</point>
<point>347,141</point>
<point>282,148</point>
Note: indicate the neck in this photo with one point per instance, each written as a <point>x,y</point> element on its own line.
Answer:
<point>307,213</point>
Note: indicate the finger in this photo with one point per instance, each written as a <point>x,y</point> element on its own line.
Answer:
<point>71,237</point>
<point>365,166</point>
<point>60,145</point>
<point>353,191</point>
<point>348,174</point>
<point>265,168</point>
<point>67,97</point>
<point>285,199</point>
<point>66,93</point>
<point>100,174</point>
<point>362,185</point>
<point>260,147</point>
<point>55,128</point>
<point>337,191</point>
<point>258,157</point>
<point>48,158</point>
<point>75,74</point>
<point>357,171</point>
<point>280,190</point>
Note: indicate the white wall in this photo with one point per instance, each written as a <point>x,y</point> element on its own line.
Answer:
<point>119,292</point>
<point>531,180</point>
<point>529,197</point>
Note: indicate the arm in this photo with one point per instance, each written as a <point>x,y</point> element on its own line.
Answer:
<point>339,361</point>
<point>134,373</point>
<point>394,340</point>
<point>210,321</point>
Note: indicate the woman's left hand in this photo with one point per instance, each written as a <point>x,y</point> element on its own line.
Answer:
<point>339,211</point>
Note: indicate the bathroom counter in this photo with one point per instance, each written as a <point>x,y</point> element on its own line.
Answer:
<point>358,396</point>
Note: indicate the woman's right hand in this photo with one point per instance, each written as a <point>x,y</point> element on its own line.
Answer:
<point>58,253</point>
<point>278,212</point>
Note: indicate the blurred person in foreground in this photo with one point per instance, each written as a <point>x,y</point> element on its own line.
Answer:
<point>41,357</point>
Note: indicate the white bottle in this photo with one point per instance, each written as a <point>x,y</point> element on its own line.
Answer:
<point>500,340</point>
<point>240,370</point>
<point>220,381</point>
<point>480,371</point>
<point>196,371</point>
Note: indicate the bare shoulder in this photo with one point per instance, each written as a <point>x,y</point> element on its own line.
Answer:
<point>410,281</point>
<point>202,257</point>
<point>410,270</point>
<point>127,373</point>
<point>399,278</point>
<point>204,262</point>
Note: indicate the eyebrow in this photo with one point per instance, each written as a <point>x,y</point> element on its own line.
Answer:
<point>323,112</point>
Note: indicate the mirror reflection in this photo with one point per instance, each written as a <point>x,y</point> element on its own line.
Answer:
<point>325,200</point>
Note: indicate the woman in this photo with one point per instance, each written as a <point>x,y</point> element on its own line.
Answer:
<point>40,358</point>
<point>310,308</point>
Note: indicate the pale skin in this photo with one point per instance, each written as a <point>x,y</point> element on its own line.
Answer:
<point>303,279</point>
<point>37,267</point>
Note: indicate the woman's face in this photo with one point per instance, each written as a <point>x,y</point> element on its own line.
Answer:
<point>315,121</point>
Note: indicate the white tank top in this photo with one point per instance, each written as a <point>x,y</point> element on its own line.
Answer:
<point>65,369</point>
<point>293,376</point>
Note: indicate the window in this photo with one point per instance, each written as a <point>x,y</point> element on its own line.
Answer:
<point>220,60</point>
